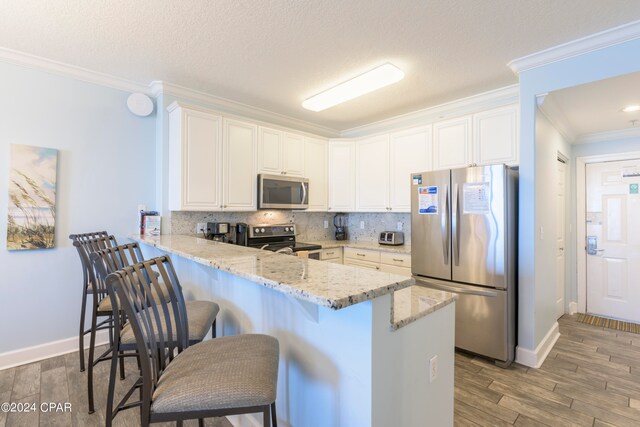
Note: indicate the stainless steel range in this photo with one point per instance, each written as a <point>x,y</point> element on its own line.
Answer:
<point>277,238</point>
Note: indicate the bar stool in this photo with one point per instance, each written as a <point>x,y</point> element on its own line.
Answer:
<point>101,306</point>
<point>201,316</point>
<point>86,289</point>
<point>180,381</point>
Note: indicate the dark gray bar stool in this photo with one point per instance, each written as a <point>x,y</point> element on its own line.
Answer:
<point>180,381</point>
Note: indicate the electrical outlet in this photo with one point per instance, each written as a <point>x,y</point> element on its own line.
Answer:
<point>326,224</point>
<point>361,225</point>
<point>399,226</point>
<point>433,369</point>
<point>201,228</point>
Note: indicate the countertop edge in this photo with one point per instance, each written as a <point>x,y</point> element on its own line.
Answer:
<point>395,325</point>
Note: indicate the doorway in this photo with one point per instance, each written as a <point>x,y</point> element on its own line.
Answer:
<point>561,180</point>
<point>612,209</point>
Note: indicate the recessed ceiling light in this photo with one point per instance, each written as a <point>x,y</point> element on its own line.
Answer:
<point>631,108</point>
<point>377,78</point>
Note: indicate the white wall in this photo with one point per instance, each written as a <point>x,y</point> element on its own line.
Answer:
<point>106,167</point>
<point>609,62</point>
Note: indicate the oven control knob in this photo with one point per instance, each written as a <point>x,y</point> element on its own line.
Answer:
<point>286,229</point>
<point>256,230</point>
<point>262,230</point>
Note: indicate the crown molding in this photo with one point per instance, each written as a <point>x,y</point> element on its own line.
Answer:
<point>614,135</point>
<point>72,71</point>
<point>580,46</point>
<point>482,101</point>
<point>239,109</point>
<point>552,111</point>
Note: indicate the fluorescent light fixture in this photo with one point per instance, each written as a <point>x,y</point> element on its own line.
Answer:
<point>631,108</point>
<point>377,78</point>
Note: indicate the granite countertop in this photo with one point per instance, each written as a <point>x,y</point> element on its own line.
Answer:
<point>327,284</point>
<point>329,244</point>
<point>412,303</point>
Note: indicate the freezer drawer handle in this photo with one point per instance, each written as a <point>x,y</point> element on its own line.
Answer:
<point>461,290</point>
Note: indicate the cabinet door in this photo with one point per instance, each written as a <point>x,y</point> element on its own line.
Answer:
<point>269,151</point>
<point>240,165</point>
<point>341,176</point>
<point>293,154</point>
<point>495,136</point>
<point>452,143</point>
<point>409,152</point>
<point>372,174</point>
<point>194,167</point>
<point>315,169</point>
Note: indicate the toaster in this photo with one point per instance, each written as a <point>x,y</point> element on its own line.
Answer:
<point>392,238</point>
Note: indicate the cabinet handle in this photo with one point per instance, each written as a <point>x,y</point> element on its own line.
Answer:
<point>397,260</point>
<point>329,253</point>
<point>360,254</point>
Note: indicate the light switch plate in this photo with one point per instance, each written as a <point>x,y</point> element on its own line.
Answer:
<point>399,226</point>
<point>361,225</point>
<point>326,224</point>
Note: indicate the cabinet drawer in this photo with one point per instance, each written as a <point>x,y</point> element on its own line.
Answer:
<point>391,258</point>
<point>332,253</point>
<point>365,264</point>
<point>402,271</point>
<point>362,254</point>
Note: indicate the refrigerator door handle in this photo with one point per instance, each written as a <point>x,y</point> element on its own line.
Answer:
<point>456,229</point>
<point>458,289</point>
<point>444,225</point>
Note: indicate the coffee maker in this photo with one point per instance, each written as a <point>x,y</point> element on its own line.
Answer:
<point>340,223</point>
<point>217,231</point>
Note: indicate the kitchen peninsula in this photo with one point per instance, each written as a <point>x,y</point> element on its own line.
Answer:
<point>355,344</point>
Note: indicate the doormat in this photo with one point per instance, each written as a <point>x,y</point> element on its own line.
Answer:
<point>603,322</point>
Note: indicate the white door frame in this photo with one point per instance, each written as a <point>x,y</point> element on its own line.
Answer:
<point>581,229</point>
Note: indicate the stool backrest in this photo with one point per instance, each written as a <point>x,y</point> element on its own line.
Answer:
<point>86,246</point>
<point>159,324</point>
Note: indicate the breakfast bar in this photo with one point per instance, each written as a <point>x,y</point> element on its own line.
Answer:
<point>356,345</point>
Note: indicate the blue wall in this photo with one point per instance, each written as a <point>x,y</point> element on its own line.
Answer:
<point>106,167</point>
<point>534,318</point>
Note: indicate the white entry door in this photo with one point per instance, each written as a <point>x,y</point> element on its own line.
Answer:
<point>560,230</point>
<point>613,239</point>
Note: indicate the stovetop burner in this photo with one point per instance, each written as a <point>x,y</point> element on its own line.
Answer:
<point>272,237</point>
<point>296,247</point>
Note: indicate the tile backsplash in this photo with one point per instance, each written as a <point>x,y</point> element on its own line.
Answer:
<point>310,225</point>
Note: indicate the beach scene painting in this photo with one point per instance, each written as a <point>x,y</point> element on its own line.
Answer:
<point>32,197</point>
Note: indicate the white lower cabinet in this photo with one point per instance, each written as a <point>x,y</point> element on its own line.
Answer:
<point>390,262</point>
<point>331,255</point>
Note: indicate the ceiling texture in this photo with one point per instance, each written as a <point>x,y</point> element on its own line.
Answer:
<point>273,54</point>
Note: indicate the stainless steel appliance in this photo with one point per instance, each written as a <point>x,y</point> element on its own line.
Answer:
<point>340,223</point>
<point>391,238</point>
<point>463,240</point>
<point>277,238</point>
<point>282,192</point>
<point>217,231</point>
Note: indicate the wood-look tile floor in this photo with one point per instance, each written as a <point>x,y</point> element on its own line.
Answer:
<point>591,378</point>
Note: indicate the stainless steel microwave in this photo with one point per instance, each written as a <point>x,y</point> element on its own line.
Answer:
<point>282,192</point>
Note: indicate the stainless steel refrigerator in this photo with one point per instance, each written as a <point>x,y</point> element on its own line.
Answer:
<point>464,240</point>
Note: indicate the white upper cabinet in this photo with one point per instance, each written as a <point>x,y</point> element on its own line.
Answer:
<point>280,153</point>
<point>495,136</point>
<point>452,145</point>
<point>194,160</point>
<point>341,176</point>
<point>240,144</point>
<point>293,154</point>
<point>372,174</point>
<point>269,151</point>
<point>315,169</point>
<point>409,152</point>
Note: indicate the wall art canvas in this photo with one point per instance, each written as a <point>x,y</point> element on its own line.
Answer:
<point>32,197</point>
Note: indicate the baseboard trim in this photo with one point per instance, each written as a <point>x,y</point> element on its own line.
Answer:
<point>573,307</point>
<point>39,352</point>
<point>244,420</point>
<point>535,358</point>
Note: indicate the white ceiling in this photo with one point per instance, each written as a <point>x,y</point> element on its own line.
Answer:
<point>274,54</point>
<point>597,107</point>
